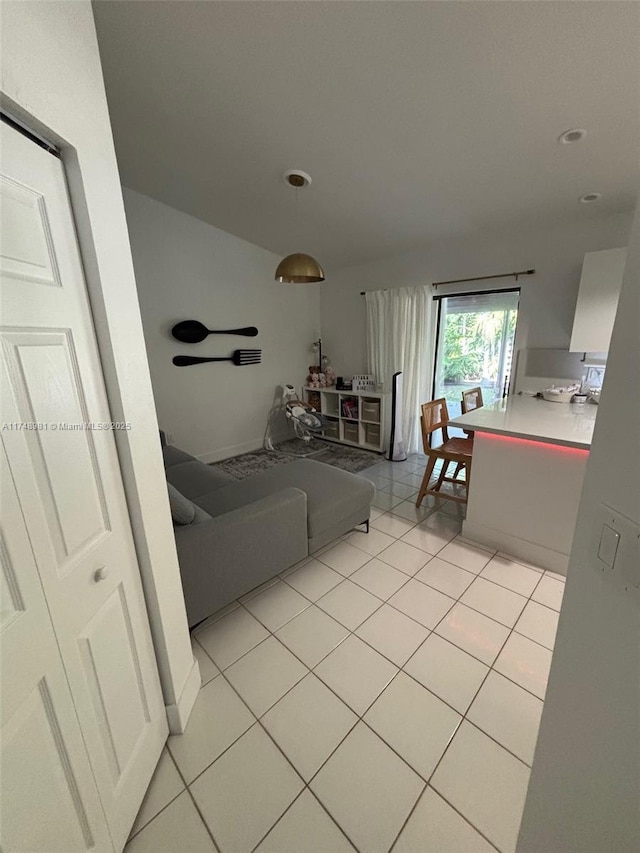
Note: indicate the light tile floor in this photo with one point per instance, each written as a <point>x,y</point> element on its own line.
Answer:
<point>384,694</point>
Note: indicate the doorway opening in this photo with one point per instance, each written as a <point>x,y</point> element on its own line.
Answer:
<point>474,345</point>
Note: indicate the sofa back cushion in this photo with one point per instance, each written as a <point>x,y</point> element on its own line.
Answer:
<point>190,476</point>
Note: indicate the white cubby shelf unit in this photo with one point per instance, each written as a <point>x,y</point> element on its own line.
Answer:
<point>356,418</point>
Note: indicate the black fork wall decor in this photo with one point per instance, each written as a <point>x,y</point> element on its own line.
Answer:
<point>240,357</point>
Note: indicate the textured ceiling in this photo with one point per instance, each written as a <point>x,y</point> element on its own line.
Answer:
<point>416,120</point>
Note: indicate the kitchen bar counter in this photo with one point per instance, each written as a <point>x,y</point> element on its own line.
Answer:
<point>528,465</point>
<point>567,424</point>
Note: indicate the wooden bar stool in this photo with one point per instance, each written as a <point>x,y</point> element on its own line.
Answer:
<point>435,416</point>
<point>471,399</point>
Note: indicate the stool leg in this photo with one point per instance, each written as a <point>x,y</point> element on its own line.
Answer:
<point>425,480</point>
<point>443,472</point>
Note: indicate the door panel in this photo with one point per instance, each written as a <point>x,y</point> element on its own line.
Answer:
<point>43,795</point>
<point>49,797</point>
<point>112,671</point>
<point>70,489</point>
<point>43,370</point>
<point>27,247</point>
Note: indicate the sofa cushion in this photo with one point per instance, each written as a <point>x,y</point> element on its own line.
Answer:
<point>173,456</point>
<point>182,510</point>
<point>332,494</point>
<point>194,478</point>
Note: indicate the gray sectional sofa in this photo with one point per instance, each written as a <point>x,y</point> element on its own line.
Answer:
<point>244,532</point>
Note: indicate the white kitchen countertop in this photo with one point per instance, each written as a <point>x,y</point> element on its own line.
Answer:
<point>568,424</point>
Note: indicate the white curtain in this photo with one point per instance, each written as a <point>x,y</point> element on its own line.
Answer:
<point>400,337</point>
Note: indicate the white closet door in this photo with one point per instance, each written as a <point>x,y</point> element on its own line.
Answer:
<point>68,482</point>
<point>49,797</point>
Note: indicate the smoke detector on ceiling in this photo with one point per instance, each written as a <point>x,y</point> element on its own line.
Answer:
<point>575,134</point>
<point>296,178</point>
<point>588,198</point>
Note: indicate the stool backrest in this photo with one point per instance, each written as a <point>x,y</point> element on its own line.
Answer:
<point>434,416</point>
<point>471,399</point>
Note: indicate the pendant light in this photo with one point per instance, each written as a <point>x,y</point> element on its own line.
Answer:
<point>298,268</point>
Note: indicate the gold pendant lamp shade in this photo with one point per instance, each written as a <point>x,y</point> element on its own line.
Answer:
<point>298,268</point>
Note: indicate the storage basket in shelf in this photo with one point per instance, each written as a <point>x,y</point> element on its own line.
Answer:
<point>370,410</point>
<point>331,428</point>
<point>372,434</point>
<point>351,431</point>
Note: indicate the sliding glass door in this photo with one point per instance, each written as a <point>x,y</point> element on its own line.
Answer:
<point>475,345</point>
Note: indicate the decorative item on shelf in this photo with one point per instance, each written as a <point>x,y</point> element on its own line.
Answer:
<point>363,382</point>
<point>329,372</point>
<point>313,398</point>
<point>316,347</point>
<point>298,268</point>
<point>313,379</point>
<point>349,408</point>
<point>192,331</point>
<point>343,384</point>
<point>240,357</point>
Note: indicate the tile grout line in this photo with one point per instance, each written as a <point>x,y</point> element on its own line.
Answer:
<point>437,793</point>
<point>195,805</point>
<point>446,749</point>
<point>258,721</point>
<point>352,632</point>
<point>360,717</point>
<point>166,805</point>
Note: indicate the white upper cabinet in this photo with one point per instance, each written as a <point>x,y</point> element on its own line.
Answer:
<point>597,300</point>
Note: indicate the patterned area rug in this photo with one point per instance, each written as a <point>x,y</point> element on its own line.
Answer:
<point>340,456</point>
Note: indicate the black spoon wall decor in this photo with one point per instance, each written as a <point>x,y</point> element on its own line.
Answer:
<point>192,332</point>
<point>240,357</point>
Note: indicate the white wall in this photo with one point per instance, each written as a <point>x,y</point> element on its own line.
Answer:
<point>188,270</point>
<point>585,783</point>
<point>52,78</point>
<point>547,301</point>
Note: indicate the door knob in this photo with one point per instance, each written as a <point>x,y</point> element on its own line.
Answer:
<point>101,574</point>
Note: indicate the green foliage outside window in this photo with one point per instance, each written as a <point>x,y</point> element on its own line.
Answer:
<point>472,344</point>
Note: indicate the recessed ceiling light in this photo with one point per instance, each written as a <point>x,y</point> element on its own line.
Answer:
<point>573,135</point>
<point>589,197</point>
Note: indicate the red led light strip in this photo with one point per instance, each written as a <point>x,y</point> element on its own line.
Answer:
<point>511,439</point>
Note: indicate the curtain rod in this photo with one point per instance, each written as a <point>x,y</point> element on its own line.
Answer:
<point>477,278</point>
<point>485,277</point>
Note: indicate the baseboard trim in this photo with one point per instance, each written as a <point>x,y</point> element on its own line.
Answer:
<point>237,449</point>
<point>178,714</point>
<point>530,552</point>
